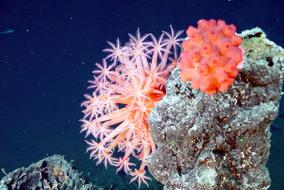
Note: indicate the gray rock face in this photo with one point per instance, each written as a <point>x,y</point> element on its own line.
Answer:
<point>51,173</point>
<point>220,141</point>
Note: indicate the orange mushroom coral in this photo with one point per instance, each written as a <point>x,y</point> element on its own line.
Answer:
<point>211,56</point>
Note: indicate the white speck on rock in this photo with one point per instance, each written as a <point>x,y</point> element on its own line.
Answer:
<point>207,177</point>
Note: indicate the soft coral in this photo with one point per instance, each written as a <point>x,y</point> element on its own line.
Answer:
<point>125,92</point>
<point>211,56</point>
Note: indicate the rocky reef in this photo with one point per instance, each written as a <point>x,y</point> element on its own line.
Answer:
<point>220,141</point>
<point>51,173</point>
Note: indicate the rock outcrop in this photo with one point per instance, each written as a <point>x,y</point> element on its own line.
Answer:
<point>220,141</point>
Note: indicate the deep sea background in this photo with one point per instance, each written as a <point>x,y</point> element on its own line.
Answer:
<point>48,49</point>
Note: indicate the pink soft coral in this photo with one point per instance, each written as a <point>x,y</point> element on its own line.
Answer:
<point>125,92</point>
<point>211,56</point>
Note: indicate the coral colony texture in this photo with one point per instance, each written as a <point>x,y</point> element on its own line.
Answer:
<point>200,120</point>
<point>211,56</point>
<point>127,86</point>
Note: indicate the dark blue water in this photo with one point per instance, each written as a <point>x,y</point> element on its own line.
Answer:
<point>48,50</point>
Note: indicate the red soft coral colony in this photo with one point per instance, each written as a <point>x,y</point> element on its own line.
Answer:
<point>211,56</point>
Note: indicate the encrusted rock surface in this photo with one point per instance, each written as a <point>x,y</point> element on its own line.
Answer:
<point>51,173</point>
<point>220,141</point>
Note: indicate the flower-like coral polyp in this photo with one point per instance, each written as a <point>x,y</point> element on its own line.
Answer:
<point>211,56</point>
<point>127,85</point>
